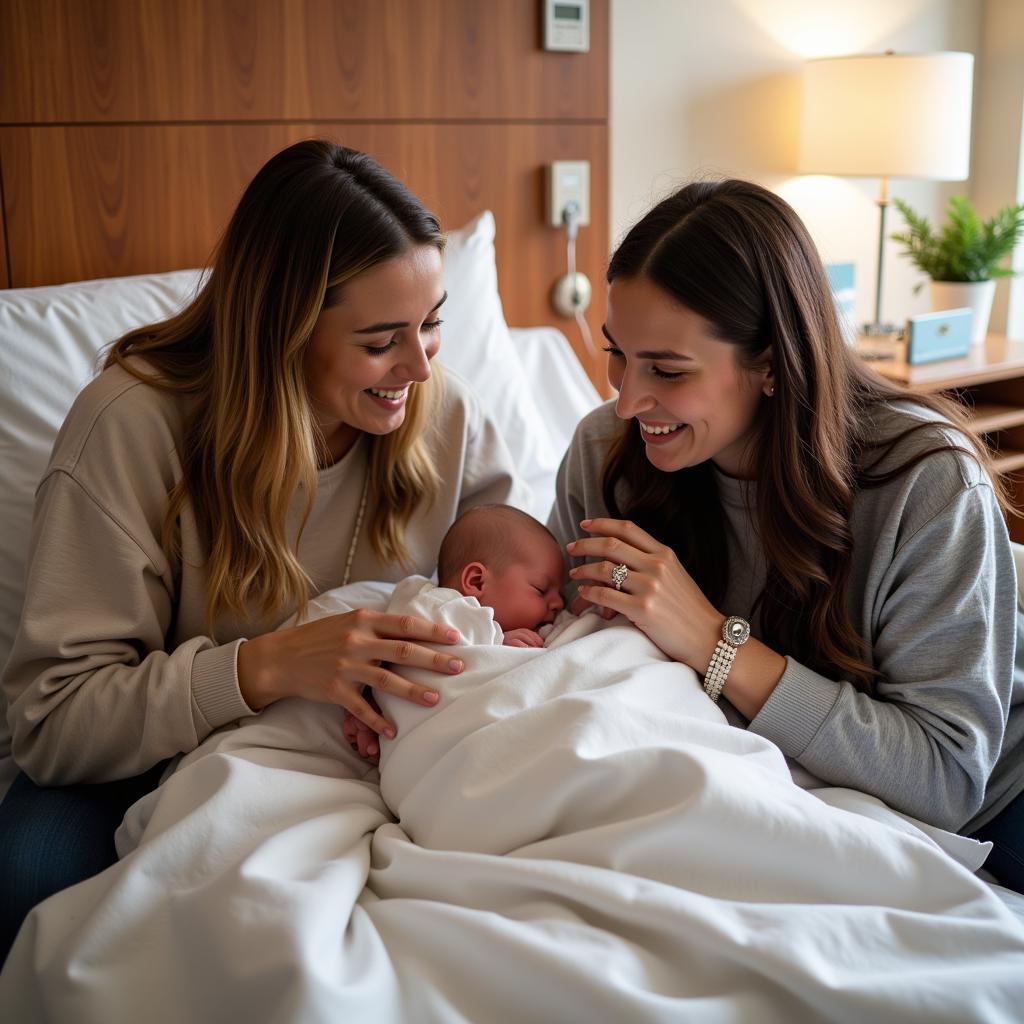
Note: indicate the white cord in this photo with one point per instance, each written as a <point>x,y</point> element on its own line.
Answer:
<point>581,322</point>
<point>570,217</point>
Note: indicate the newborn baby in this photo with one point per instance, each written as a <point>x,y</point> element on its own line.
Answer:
<point>511,564</point>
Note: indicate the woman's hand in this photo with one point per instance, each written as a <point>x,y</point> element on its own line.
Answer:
<point>658,595</point>
<point>330,660</point>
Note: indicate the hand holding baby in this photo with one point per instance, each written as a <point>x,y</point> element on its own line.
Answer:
<point>511,564</point>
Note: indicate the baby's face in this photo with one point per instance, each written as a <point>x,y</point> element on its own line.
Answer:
<point>529,591</point>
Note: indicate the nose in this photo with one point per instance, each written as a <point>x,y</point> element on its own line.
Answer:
<point>633,399</point>
<point>417,366</point>
<point>556,604</point>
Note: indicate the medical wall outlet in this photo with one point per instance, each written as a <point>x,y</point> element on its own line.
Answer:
<point>571,294</point>
<point>566,25</point>
<point>568,182</point>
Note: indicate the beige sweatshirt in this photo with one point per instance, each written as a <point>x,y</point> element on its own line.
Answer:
<point>111,669</point>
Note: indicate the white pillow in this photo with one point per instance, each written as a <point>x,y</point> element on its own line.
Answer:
<point>50,339</point>
<point>475,341</point>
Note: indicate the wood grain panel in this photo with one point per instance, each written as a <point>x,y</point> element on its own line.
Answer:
<point>99,201</point>
<point>225,60</point>
<point>5,276</point>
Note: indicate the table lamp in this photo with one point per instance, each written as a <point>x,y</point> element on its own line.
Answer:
<point>887,116</point>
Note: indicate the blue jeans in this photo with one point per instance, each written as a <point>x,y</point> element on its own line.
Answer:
<point>1006,832</point>
<point>54,836</point>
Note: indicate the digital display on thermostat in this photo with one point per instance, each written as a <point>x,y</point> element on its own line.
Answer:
<point>567,11</point>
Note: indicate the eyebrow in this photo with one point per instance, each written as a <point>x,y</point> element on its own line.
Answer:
<point>664,353</point>
<point>398,324</point>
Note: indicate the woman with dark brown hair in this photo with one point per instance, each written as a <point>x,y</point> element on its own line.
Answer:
<point>826,549</point>
<point>280,436</point>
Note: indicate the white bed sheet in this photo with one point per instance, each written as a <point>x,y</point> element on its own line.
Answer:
<point>581,837</point>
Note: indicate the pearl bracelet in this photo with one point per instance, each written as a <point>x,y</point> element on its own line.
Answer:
<point>718,669</point>
<point>735,631</point>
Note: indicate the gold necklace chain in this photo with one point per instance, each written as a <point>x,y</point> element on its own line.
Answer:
<point>355,533</point>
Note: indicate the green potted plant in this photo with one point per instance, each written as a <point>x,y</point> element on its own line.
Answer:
<point>965,258</point>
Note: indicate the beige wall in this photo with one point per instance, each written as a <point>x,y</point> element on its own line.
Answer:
<point>997,172</point>
<point>713,87</point>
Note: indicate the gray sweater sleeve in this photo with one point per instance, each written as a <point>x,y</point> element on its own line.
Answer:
<point>944,632</point>
<point>937,606</point>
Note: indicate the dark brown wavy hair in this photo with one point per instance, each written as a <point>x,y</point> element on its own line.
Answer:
<point>315,216</point>
<point>739,256</point>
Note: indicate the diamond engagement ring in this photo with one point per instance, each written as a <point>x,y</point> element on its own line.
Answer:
<point>619,575</point>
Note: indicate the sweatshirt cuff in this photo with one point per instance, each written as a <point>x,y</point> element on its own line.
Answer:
<point>215,685</point>
<point>796,709</point>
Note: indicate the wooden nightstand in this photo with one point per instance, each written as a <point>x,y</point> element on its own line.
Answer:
<point>990,382</point>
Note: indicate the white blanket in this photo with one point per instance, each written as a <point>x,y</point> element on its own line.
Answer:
<point>580,837</point>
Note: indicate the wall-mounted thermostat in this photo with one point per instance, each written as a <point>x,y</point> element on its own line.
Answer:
<point>567,25</point>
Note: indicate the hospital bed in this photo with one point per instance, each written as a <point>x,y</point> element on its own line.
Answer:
<point>586,841</point>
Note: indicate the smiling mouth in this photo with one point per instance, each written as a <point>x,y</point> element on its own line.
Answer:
<point>388,394</point>
<point>656,430</point>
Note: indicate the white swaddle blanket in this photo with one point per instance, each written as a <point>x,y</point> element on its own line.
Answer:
<point>580,836</point>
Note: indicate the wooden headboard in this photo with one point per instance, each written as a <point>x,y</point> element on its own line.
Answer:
<point>128,128</point>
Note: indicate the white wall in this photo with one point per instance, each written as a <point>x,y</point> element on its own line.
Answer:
<point>712,87</point>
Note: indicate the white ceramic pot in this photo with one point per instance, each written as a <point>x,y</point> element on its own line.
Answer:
<point>975,295</point>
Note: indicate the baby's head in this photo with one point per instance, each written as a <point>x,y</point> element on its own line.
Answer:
<point>508,561</point>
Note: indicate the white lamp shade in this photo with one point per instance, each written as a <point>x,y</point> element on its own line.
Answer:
<point>888,115</point>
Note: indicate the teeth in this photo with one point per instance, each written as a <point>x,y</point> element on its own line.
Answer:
<point>387,394</point>
<point>658,430</point>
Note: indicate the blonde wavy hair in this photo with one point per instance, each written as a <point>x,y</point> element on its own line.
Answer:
<point>315,216</point>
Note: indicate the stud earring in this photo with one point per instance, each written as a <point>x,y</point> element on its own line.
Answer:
<point>770,391</point>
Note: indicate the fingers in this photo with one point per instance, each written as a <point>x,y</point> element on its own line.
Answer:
<point>360,737</point>
<point>409,627</point>
<point>371,719</point>
<point>603,609</point>
<point>599,572</point>
<point>523,638</point>
<point>625,531</point>
<point>366,711</point>
<point>367,744</point>
<point>350,729</point>
<point>381,678</point>
<point>579,605</point>
<point>611,549</point>
<point>404,653</point>
<point>608,600</point>
<point>368,741</point>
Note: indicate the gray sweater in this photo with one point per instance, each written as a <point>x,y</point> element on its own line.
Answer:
<point>933,592</point>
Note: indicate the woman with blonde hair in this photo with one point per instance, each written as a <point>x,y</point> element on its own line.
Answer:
<point>280,436</point>
<point>826,549</point>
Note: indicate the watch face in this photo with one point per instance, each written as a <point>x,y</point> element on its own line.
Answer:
<point>736,631</point>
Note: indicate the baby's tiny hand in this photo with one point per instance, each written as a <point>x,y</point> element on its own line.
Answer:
<point>361,738</point>
<point>522,638</point>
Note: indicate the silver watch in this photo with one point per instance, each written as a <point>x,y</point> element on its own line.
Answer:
<point>735,633</point>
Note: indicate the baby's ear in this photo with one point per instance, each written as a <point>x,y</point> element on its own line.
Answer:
<point>473,578</point>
